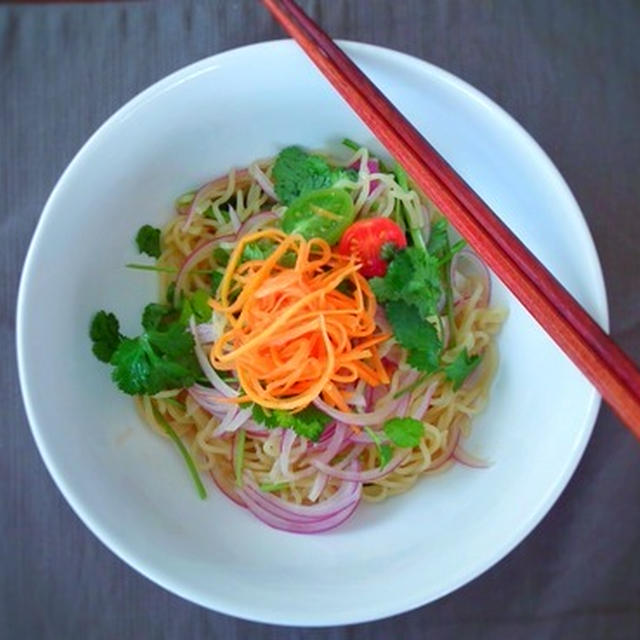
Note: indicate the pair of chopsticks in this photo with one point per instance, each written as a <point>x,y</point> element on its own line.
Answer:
<point>576,333</point>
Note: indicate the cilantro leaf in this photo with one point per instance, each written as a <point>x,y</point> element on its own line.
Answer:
<point>132,362</point>
<point>139,368</point>
<point>148,240</point>
<point>221,256</point>
<point>200,305</point>
<point>105,334</point>
<point>308,423</point>
<point>161,358</point>
<point>415,334</point>
<point>385,452</point>
<point>413,276</point>
<point>216,279</point>
<point>460,369</point>
<point>156,315</point>
<point>173,342</point>
<point>259,250</point>
<point>296,172</point>
<point>404,432</point>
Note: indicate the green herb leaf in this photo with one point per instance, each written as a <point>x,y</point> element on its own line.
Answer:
<point>460,369</point>
<point>156,360</point>
<point>413,276</point>
<point>148,240</point>
<point>156,315</point>
<point>258,250</point>
<point>385,452</point>
<point>216,279</point>
<point>296,172</point>
<point>105,334</point>
<point>308,423</point>
<point>221,256</point>
<point>200,305</point>
<point>404,432</point>
<point>416,335</point>
<point>171,291</point>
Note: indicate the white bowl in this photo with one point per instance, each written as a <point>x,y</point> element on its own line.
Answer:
<point>130,487</point>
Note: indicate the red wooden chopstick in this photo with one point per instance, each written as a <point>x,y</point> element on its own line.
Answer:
<point>599,358</point>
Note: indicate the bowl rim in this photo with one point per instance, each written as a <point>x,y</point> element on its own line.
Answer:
<point>159,577</point>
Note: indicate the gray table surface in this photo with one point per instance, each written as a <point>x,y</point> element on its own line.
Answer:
<point>569,71</point>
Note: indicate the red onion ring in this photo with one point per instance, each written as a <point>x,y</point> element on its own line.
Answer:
<point>363,476</point>
<point>265,184</point>
<point>301,518</point>
<point>211,374</point>
<point>358,419</point>
<point>424,403</point>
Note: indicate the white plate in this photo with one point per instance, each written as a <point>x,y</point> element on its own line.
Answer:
<point>130,487</point>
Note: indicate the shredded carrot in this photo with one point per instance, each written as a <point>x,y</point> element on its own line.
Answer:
<point>295,333</point>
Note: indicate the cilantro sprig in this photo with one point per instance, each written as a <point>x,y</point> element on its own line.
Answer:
<point>105,335</point>
<point>160,358</point>
<point>148,240</point>
<point>296,172</point>
<point>385,451</point>
<point>308,423</point>
<point>404,432</point>
<point>410,291</point>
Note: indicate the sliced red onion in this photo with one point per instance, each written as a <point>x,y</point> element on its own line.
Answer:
<point>326,435</point>
<point>314,518</point>
<point>468,459</point>
<point>363,476</point>
<point>205,332</point>
<point>223,425</point>
<point>206,191</point>
<point>225,486</point>
<point>234,419</point>
<point>468,265</point>
<point>234,220</point>
<point>254,221</point>
<point>375,191</point>
<point>335,444</point>
<point>318,486</point>
<point>380,318</point>
<point>199,253</point>
<point>424,403</point>
<point>372,166</point>
<point>358,419</point>
<point>265,184</point>
<point>211,374</point>
<point>208,396</point>
<point>286,443</point>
